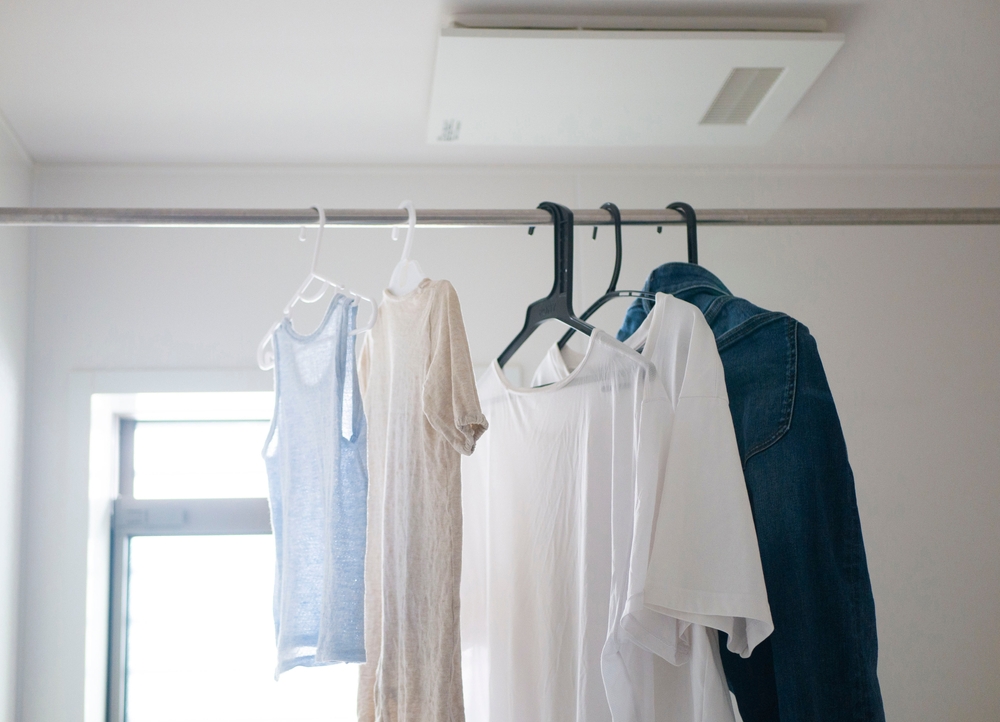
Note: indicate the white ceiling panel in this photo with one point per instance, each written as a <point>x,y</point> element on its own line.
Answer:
<point>619,88</point>
<point>335,82</point>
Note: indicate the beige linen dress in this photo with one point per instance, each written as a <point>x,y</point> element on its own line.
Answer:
<point>420,398</point>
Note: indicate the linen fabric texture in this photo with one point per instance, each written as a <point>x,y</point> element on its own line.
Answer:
<point>820,662</point>
<point>570,589</point>
<point>423,413</point>
<point>315,456</point>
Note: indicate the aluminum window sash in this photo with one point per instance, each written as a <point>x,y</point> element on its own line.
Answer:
<point>171,517</point>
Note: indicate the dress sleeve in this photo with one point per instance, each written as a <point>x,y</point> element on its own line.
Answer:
<point>704,564</point>
<point>451,402</point>
<point>364,363</point>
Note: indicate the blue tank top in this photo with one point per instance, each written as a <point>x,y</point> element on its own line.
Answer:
<point>317,473</point>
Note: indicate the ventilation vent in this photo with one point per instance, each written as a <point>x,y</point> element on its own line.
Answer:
<point>740,95</point>
<point>589,88</point>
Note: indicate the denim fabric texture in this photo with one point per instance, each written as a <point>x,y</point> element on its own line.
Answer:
<point>819,665</point>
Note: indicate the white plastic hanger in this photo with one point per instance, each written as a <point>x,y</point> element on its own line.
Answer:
<point>407,275</point>
<point>265,350</point>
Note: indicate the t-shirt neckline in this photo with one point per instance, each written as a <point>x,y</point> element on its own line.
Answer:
<point>498,372</point>
<point>388,295</point>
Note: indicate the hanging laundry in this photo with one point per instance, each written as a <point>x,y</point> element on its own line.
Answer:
<point>423,413</point>
<point>564,610</point>
<point>704,566</point>
<point>315,455</point>
<point>820,662</point>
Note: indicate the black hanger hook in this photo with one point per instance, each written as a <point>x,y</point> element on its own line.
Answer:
<point>616,216</point>
<point>692,227</point>
<point>562,230</point>
<point>558,304</point>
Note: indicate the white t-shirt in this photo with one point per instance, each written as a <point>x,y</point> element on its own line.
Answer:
<point>703,464</point>
<point>564,582</point>
<point>704,565</point>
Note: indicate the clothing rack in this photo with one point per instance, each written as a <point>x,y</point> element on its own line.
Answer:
<point>456,218</point>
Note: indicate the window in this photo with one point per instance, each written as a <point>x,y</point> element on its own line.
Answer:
<point>192,633</point>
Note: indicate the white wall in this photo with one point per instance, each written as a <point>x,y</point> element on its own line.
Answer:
<point>15,190</point>
<point>907,319</point>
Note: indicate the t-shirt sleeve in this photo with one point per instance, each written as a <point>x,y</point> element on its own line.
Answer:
<point>451,402</point>
<point>704,563</point>
<point>656,631</point>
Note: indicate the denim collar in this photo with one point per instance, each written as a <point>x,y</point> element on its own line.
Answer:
<point>683,279</point>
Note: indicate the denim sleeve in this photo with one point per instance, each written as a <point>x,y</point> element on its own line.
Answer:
<point>820,662</point>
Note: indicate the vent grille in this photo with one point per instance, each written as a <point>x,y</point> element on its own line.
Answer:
<point>740,95</point>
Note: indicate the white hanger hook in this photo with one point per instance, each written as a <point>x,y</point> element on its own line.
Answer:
<point>411,225</point>
<point>319,237</point>
<point>322,223</point>
<point>301,295</point>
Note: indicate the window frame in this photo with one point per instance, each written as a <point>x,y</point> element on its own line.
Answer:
<point>132,517</point>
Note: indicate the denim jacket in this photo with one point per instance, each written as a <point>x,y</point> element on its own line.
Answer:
<point>820,663</point>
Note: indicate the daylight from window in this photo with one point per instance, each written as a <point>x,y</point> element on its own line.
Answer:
<point>200,632</point>
<point>199,459</point>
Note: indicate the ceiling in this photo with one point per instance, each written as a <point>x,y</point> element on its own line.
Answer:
<point>305,81</point>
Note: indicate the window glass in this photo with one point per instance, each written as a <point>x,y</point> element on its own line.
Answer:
<point>199,459</point>
<point>201,638</point>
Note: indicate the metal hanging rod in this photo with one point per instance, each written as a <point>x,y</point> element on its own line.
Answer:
<point>357,217</point>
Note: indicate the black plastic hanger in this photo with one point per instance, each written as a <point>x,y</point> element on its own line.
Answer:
<point>692,225</point>
<point>612,292</point>
<point>558,304</point>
